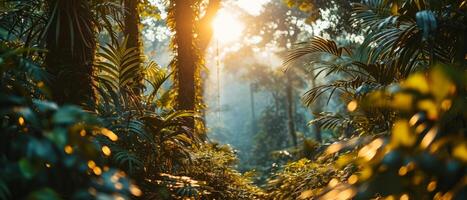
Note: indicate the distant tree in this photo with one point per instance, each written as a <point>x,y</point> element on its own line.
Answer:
<point>340,10</point>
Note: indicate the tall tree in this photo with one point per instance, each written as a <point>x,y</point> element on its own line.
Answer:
<point>187,58</point>
<point>290,109</point>
<point>71,45</point>
<point>183,15</point>
<point>132,31</point>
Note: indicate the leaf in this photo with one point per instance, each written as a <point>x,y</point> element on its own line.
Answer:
<point>26,168</point>
<point>120,66</point>
<point>306,194</point>
<point>417,82</point>
<point>460,152</point>
<point>44,194</point>
<point>315,45</point>
<point>4,190</point>
<point>426,20</point>
<point>67,115</point>
<point>128,160</point>
<point>402,135</point>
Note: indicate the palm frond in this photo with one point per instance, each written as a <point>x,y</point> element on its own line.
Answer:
<point>118,66</point>
<point>374,14</point>
<point>330,121</point>
<point>382,73</point>
<point>156,77</point>
<point>129,160</point>
<point>340,85</point>
<point>314,46</point>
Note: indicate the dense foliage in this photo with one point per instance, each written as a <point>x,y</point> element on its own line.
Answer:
<point>85,115</point>
<point>405,125</point>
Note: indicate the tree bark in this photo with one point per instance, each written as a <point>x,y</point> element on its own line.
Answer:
<point>190,49</point>
<point>187,57</point>
<point>254,127</point>
<point>71,43</point>
<point>290,111</point>
<point>132,32</point>
<point>315,109</point>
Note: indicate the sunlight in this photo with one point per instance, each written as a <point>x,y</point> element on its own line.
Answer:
<point>252,7</point>
<point>227,27</point>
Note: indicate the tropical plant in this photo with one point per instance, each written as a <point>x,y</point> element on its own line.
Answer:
<point>304,179</point>
<point>213,164</point>
<point>413,34</point>
<point>424,156</point>
<point>119,72</point>
<point>412,114</point>
<point>47,152</point>
<point>390,53</point>
<point>155,138</point>
<point>68,29</point>
<point>355,79</point>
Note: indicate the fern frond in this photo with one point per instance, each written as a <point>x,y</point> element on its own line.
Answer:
<point>119,66</point>
<point>128,160</point>
<point>330,121</point>
<point>342,85</point>
<point>373,14</point>
<point>315,45</point>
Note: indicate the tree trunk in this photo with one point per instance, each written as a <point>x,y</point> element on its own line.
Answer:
<point>316,109</point>
<point>71,43</point>
<point>187,57</point>
<point>132,32</point>
<point>254,127</point>
<point>290,110</point>
<point>189,50</point>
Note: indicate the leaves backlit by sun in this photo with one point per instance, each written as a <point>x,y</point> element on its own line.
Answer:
<point>227,27</point>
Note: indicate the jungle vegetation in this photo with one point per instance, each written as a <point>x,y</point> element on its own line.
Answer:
<point>227,99</point>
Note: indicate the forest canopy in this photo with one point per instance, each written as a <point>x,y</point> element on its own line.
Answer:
<point>233,99</point>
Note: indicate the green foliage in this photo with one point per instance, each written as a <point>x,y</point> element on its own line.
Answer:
<point>48,152</point>
<point>209,176</point>
<point>30,20</point>
<point>424,156</point>
<point>412,33</point>
<point>51,152</point>
<point>271,135</point>
<point>304,179</point>
<point>214,164</point>
<point>119,67</point>
<point>406,123</point>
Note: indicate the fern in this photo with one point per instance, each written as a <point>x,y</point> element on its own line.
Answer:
<point>119,66</point>
<point>315,45</point>
<point>156,77</point>
<point>347,86</point>
<point>129,160</point>
<point>331,121</point>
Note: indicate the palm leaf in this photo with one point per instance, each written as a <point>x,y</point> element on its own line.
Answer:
<point>315,45</point>
<point>119,66</point>
<point>129,160</point>
<point>342,85</point>
<point>330,121</point>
